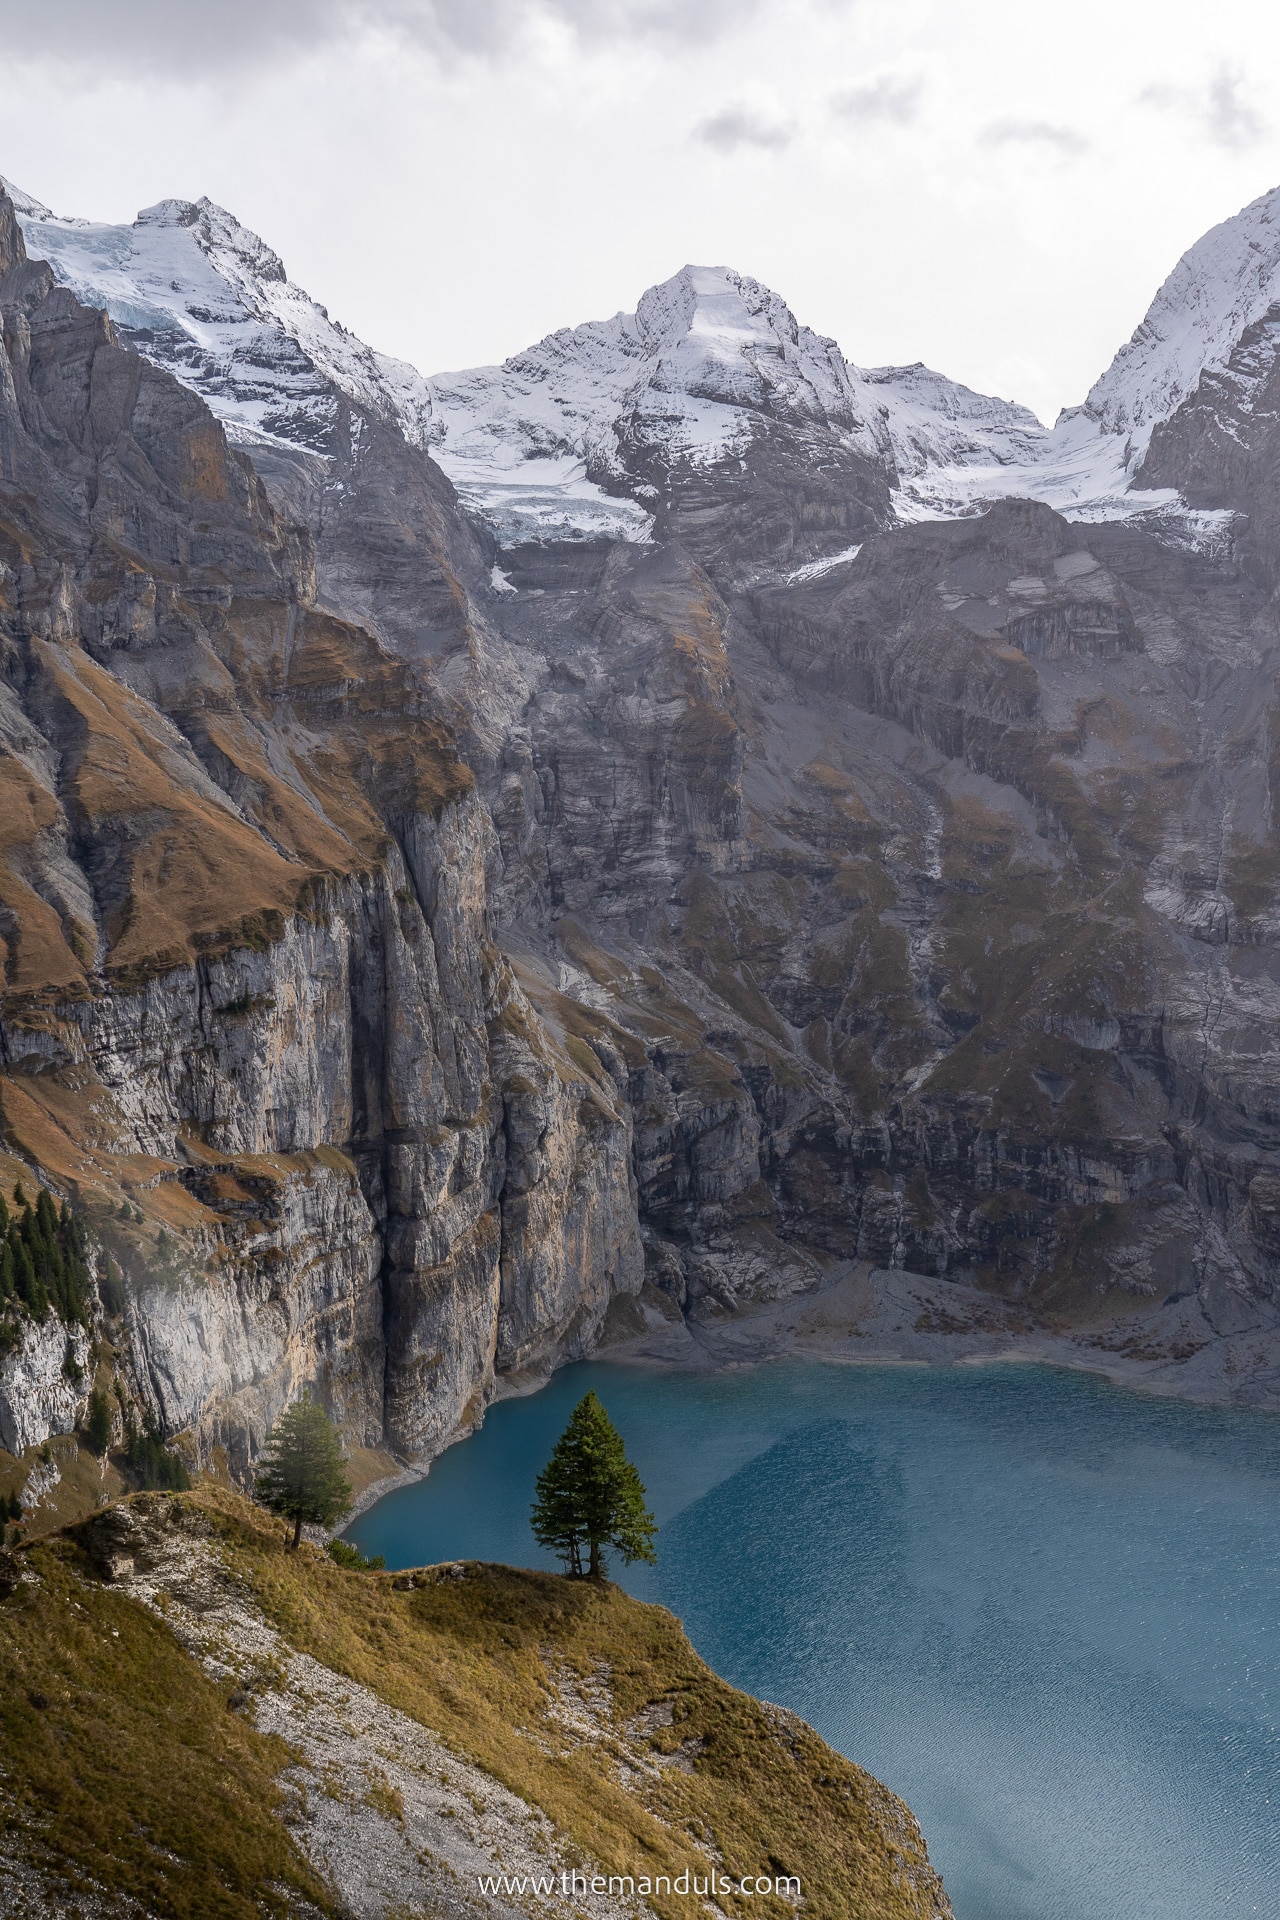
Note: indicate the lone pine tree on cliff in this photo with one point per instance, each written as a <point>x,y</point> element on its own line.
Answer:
<point>301,1476</point>
<point>590,1496</point>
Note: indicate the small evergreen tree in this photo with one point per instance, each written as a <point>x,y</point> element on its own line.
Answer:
<point>301,1476</point>
<point>97,1423</point>
<point>590,1496</point>
<point>111,1287</point>
<point>30,1288</point>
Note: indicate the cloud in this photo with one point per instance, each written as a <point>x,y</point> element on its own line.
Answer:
<point>890,98</point>
<point>188,41</point>
<point>739,127</point>
<point>1223,114</point>
<point>1231,121</point>
<point>1034,133</point>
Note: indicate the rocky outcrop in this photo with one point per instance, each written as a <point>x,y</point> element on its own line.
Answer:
<point>41,1377</point>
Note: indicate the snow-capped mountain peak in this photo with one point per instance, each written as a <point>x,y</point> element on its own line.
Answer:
<point>23,203</point>
<point>573,437</point>
<point>717,335</point>
<point>708,359</point>
<point>208,298</point>
<point>1228,280</point>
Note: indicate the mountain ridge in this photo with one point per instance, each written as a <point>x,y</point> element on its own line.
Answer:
<point>559,439</point>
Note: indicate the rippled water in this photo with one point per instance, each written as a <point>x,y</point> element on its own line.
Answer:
<point>1044,1610</point>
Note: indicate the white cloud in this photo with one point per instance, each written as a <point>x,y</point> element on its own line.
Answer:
<point>737,127</point>
<point>173,36</point>
<point>1220,110</point>
<point>890,98</point>
<point>1034,133</point>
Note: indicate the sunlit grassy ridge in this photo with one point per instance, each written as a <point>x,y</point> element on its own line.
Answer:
<point>136,1758</point>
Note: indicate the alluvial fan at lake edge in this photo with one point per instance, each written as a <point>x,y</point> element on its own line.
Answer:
<point>1042,1609</point>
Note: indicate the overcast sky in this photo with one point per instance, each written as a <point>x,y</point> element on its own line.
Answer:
<point>996,187</point>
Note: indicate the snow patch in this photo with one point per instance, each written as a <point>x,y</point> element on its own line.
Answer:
<point>815,569</point>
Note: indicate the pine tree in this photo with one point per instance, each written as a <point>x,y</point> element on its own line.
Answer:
<point>590,1496</point>
<point>301,1475</point>
<point>97,1423</point>
<point>30,1288</point>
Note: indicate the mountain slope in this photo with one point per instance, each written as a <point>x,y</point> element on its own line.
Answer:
<point>201,1724</point>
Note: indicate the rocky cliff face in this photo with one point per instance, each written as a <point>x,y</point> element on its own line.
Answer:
<point>255,1022</point>
<point>662,859</point>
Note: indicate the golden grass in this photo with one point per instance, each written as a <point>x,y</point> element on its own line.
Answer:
<point>471,1657</point>
<point>133,1773</point>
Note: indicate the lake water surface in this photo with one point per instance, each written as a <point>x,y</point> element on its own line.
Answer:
<point>1045,1610</point>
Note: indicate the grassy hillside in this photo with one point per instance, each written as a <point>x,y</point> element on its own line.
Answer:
<point>123,1761</point>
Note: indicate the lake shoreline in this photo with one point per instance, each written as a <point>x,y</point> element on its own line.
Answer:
<point>863,1316</point>
<point>1038,1605</point>
<point>867,1316</point>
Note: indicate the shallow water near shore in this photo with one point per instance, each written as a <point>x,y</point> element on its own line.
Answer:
<point>1045,1610</point>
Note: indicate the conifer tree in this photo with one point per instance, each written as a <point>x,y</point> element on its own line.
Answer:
<point>111,1287</point>
<point>301,1476</point>
<point>590,1497</point>
<point>30,1288</point>
<point>97,1423</point>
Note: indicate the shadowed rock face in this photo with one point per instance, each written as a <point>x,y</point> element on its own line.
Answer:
<point>962,959</point>
<point>430,943</point>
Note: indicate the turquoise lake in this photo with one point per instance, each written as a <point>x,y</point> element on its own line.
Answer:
<point>1046,1611</point>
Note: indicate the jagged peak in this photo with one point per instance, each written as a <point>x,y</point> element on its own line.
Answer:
<point>204,295</point>
<point>1224,283</point>
<point>218,233</point>
<point>709,334</point>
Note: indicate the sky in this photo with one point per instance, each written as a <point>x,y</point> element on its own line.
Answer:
<point>994,188</point>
